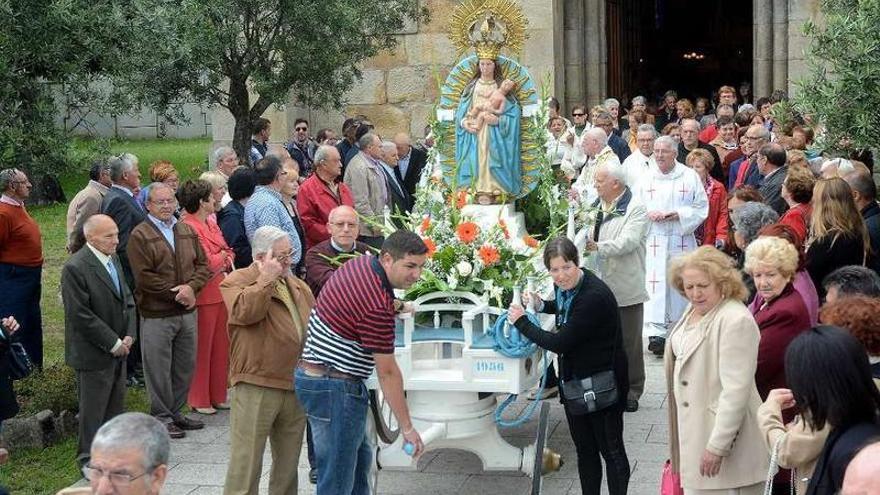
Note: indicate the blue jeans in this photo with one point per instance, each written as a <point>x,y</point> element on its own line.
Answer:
<point>337,414</point>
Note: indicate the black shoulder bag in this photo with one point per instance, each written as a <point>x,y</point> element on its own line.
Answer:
<point>593,393</point>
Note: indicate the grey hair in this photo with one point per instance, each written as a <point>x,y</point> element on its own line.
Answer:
<point>639,100</point>
<point>366,140</point>
<point>599,134</point>
<point>749,218</point>
<point>647,128</point>
<point>278,151</point>
<point>666,140</point>
<point>156,186</point>
<point>264,237</point>
<point>322,153</point>
<point>388,145</point>
<point>121,165</point>
<point>7,176</point>
<point>135,430</point>
<point>615,170</point>
<point>843,165</point>
<point>746,106</point>
<point>220,153</point>
<point>611,101</point>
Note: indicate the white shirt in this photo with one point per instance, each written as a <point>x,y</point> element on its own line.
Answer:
<point>104,259</point>
<point>637,166</point>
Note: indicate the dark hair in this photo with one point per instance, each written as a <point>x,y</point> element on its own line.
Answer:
<point>403,243</point>
<point>348,123</point>
<point>191,193</point>
<point>579,106</point>
<point>266,170</point>
<point>554,103</point>
<point>761,102</point>
<point>853,280</point>
<point>723,121</point>
<point>743,118</point>
<point>560,247</point>
<point>322,134</point>
<point>862,184</point>
<point>259,125</point>
<point>300,121</point>
<point>746,193</point>
<point>809,135</point>
<point>671,93</point>
<point>774,153</point>
<point>98,166</point>
<point>363,129</point>
<point>241,183</point>
<point>827,370</point>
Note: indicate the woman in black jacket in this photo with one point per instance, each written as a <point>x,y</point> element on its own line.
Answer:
<point>588,341</point>
<point>8,402</point>
<point>831,382</point>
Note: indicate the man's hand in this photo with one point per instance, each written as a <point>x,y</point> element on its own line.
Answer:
<point>656,216</point>
<point>514,313</point>
<point>783,397</point>
<point>185,296</point>
<point>591,245</point>
<point>10,326</point>
<point>672,216</point>
<point>121,351</point>
<point>127,342</point>
<point>270,268</point>
<point>574,195</point>
<point>412,437</point>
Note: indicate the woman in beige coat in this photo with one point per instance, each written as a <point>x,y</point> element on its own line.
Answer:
<point>710,360</point>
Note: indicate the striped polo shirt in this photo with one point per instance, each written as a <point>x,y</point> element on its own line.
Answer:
<point>353,319</point>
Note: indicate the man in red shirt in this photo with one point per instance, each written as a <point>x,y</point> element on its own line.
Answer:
<point>21,262</point>
<point>320,193</point>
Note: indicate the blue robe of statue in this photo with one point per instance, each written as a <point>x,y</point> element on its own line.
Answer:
<point>504,148</point>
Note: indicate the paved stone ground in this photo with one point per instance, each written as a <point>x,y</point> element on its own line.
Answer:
<point>198,462</point>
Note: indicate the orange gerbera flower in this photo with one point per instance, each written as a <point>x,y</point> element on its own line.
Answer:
<point>503,226</point>
<point>530,241</point>
<point>489,254</point>
<point>431,245</point>
<point>426,224</point>
<point>467,232</point>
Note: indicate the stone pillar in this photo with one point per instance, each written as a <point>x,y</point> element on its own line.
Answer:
<point>799,12</point>
<point>574,54</point>
<point>780,45</point>
<point>596,63</point>
<point>762,36</point>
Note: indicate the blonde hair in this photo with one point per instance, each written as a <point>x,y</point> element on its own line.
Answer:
<point>701,155</point>
<point>773,251</point>
<point>214,178</point>
<point>835,212</point>
<point>720,268</point>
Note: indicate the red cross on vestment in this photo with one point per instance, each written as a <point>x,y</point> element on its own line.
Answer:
<point>654,246</point>
<point>683,191</point>
<point>652,190</point>
<point>653,282</point>
<point>683,244</point>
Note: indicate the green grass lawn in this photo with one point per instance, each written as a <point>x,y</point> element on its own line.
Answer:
<point>47,471</point>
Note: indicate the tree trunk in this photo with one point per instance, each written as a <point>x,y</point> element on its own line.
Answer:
<point>239,106</point>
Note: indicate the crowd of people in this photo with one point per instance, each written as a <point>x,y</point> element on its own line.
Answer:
<point>745,256</point>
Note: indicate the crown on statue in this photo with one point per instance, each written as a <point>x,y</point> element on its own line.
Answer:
<point>488,26</point>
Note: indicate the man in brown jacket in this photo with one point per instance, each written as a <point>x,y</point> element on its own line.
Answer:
<point>268,314</point>
<point>169,268</point>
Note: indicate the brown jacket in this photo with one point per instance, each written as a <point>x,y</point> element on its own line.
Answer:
<point>712,391</point>
<point>157,268</point>
<point>264,341</point>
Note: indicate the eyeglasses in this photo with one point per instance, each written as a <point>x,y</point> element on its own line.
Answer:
<point>117,479</point>
<point>163,202</point>
<point>578,114</point>
<point>343,225</point>
<point>301,129</point>
<point>284,257</point>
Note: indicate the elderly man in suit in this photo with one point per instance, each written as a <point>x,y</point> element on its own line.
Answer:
<point>99,327</point>
<point>367,182</point>
<point>410,162</point>
<point>86,203</point>
<point>399,200</point>
<point>771,165</point>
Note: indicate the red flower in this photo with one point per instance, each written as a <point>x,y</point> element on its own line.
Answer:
<point>431,245</point>
<point>489,255</point>
<point>461,200</point>
<point>531,241</point>
<point>426,224</point>
<point>504,230</point>
<point>467,232</point>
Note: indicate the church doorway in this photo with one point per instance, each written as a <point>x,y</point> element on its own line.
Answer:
<point>692,46</point>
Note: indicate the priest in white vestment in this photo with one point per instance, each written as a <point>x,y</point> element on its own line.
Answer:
<point>677,205</point>
<point>595,147</point>
<point>638,164</point>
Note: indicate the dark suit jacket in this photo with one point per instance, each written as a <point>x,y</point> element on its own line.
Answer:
<point>619,146</point>
<point>417,160</point>
<point>771,190</point>
<point>127,214</point>
<point>716,171</point>
<point>398,200</point>
<point>841,446</point>
<point>95,314</point>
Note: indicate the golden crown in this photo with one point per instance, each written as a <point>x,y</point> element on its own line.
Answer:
<point>487,26</point>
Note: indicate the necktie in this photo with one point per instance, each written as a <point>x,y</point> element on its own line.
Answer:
<point>398,175</point>
<point>114,276</point>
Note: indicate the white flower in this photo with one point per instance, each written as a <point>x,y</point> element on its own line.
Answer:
<point>452,281</point>
<point>464,268</point>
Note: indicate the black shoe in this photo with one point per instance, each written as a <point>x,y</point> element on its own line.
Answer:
<point>655,343</point>
<point>185,423</point>
<point>313,476</point>
<point>632,405</point>
<point>174,431</point>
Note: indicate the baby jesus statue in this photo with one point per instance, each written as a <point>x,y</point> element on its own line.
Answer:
<point>488,112</point>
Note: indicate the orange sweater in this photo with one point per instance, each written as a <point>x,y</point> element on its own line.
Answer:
<point>20,242</point>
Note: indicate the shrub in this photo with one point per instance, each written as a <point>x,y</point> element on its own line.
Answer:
<point>53,388</point>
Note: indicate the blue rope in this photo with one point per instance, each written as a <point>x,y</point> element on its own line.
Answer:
<point>516,346</point>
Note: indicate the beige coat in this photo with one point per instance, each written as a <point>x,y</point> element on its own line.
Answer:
<point>85,204</point>
<point>370,192</point>
<point>800,446</point>
<point>712,391</point>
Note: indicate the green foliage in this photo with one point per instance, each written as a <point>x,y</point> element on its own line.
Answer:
<point>41,471</point>
<point>53,388</point>
<point>842,91</point>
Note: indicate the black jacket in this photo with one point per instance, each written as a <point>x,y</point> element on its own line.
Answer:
<point>827,254</point>
<point>8,401</point>
<point>400,201</point>
<point>619,146</point>
<point>591,340</point>
<point>231,222</point>
<point>716,171</point>
<point>871,216</point>
<point>841,446</point>
<point>771,190</point>
<point>128,214</point>
<point>417,160</point>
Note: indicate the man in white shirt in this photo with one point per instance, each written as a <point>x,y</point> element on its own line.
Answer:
<point>638,164</point>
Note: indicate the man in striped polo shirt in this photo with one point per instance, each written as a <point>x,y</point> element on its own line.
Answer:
<point>351,331</point>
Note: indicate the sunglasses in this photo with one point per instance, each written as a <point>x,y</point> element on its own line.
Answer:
<point>578,114</point>
<point>301,129</point>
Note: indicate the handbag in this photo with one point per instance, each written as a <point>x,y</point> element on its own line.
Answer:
<point>670,482</point>
<point>20,364</point>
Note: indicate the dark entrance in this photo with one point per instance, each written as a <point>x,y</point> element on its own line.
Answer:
<point>692,46</point>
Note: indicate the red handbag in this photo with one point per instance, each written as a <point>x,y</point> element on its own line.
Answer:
<point>670,482</point>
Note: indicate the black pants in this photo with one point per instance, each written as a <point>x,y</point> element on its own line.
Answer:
<point>600,433</point>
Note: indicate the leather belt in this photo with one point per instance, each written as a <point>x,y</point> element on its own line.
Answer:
<point>319,370</point>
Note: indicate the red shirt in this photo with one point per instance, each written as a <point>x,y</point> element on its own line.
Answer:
<point>218,254</point>
<point>314,202</point>
<point>20,242</point>
<point>716,223</point>
<point>798,218</point>
<point>708,134</point>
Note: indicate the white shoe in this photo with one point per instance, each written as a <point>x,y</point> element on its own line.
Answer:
<point>547,393</point>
